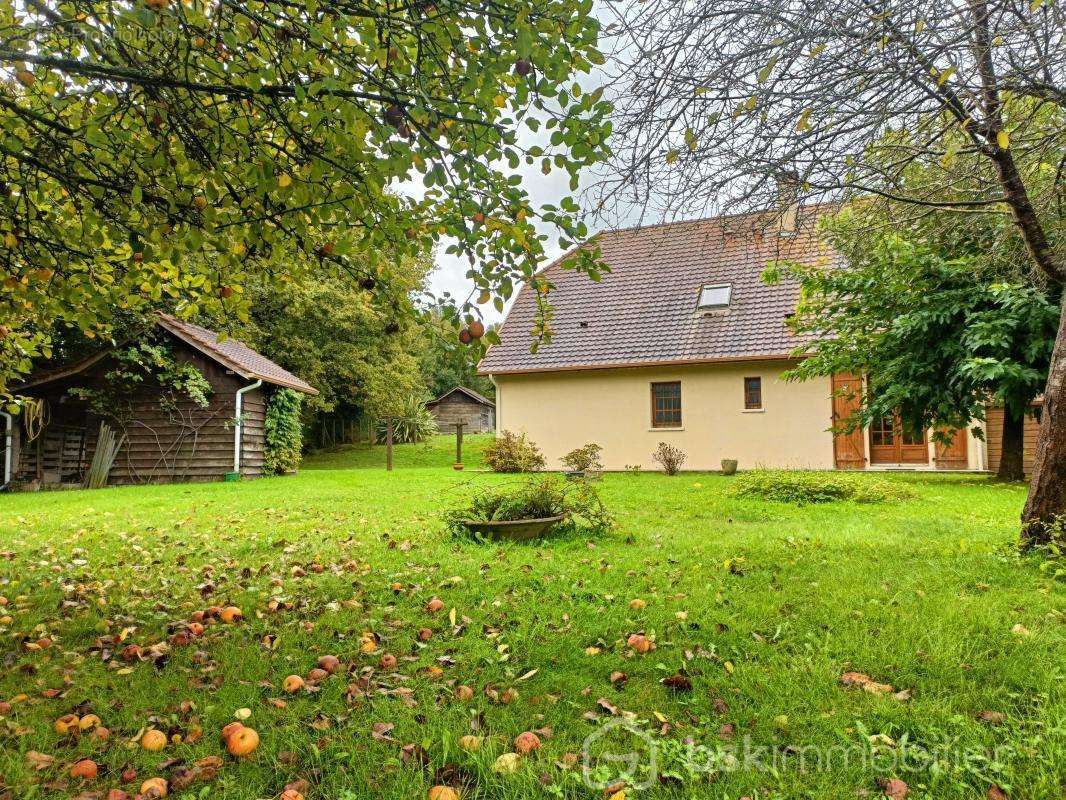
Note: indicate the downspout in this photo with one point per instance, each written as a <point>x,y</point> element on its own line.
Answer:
<point>496,410</point>
<point>239,426</point>
<point>9,448</point>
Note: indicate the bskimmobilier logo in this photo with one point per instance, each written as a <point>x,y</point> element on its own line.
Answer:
<point>620,751</point>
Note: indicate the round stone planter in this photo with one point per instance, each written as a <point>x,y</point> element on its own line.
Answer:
<point>519,530</point>
<point>729,466</point>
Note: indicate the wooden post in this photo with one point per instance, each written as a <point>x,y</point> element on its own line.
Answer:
<point>388,444</point>
<point>459,443</point>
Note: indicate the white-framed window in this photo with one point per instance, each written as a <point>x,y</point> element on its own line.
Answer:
<point>714,296</point>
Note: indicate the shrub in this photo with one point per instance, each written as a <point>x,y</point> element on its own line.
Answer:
<point>284,432</point>
<point>670,457</point>
<point>803,487</point>
<point>415,423</point>
<point>584,459</point>
<point>535,498</point>
<point>511,452</point>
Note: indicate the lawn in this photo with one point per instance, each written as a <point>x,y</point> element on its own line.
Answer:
<point>760,606</point>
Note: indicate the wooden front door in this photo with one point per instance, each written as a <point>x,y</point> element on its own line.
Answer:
<point>953,455</point>
<point>890,443</point>
<point>849,449</point>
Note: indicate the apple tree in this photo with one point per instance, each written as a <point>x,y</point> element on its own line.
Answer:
<point>158,152</point>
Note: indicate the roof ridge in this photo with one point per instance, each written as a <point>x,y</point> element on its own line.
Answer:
<point>711,218</point>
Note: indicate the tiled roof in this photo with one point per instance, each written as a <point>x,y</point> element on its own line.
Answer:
<point>477,398</point>
<point>643,311</point>
<point>233,354</point>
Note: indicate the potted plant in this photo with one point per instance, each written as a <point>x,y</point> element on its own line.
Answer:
<point>529,510</point>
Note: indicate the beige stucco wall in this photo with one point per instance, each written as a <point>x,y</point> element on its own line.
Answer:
<point>564,410</point>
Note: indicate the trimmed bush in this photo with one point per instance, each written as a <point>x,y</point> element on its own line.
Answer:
<point>670,457</point>
<point>584,459</point>
<point>511,452</point>
<point>804,487</point>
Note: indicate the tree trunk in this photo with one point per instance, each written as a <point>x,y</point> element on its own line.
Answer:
<point>1047,490</point>
<point>1012,455</point>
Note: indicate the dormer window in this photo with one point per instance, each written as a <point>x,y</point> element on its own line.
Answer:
<point>714,297</point>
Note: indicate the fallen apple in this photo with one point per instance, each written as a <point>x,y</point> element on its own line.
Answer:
<point>154,787</point>
<point>443,793</point>
<point>153,740</point>
<point>242,742</point>
<point>434,605</point>
<point>640,643</point>
<point>88,721</point>
<point>507,763</point>
<point>85,769</point>
<point>470,743</point>
<point>67,724</point>
<point>292,684</point>
<point>329,663</point>
<point>526,742</point>
<point>230,614</point>
<point>388,661</point>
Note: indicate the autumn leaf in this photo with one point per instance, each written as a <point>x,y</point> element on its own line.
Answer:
<point>678,683</point>
<point>40,761</point>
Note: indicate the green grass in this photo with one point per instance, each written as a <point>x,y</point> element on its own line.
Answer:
<point>764,605</point>
<point>437,452</point>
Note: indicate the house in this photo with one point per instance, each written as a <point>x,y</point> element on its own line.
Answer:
<point>475,412</point>
<point>166,439</point>
<point>682,342</point>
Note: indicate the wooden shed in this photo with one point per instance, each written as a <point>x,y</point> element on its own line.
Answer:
<point>477,413</point>
<point>173,441</point>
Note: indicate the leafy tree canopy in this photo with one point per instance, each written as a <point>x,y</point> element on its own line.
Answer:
<point>159,152</point>
<point>355,345</point>
<point>931,314</point>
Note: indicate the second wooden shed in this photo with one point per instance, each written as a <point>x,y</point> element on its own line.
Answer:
<point>476,412</point>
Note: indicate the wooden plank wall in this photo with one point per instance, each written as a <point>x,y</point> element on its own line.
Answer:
<point>253,436</point>
<point>188,443</point>
<point>994,439</point>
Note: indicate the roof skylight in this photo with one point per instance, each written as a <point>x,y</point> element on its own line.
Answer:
<point>714,296</point>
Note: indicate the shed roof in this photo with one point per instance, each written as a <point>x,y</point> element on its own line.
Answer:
<point>230,353</point>
<point>478,398</point>
<point>643,312</point>
<point>233,354</point>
